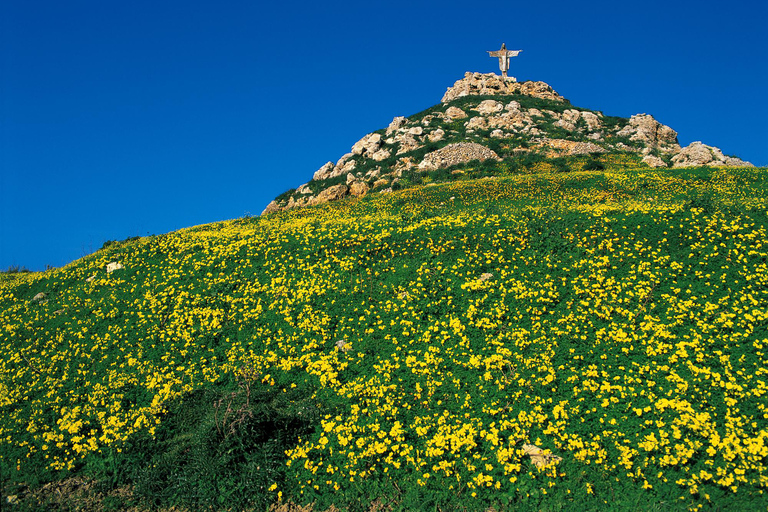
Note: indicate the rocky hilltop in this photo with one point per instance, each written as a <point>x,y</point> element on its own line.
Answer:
<point>483,118</point>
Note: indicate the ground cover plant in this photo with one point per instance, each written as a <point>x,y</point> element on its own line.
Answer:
<point>404,350</point>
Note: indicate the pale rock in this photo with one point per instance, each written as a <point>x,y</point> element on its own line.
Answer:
<point>490,84</point>
<point>39,297</point>
<point>111,267</point>
<point>592,120</point>
<point>367,145</point>
<point>380,183</point>
<point>453,113</point>
<point>489,107</point>
<point>654,161</point>
<point>534,112</point>
<point>644,128</point>
<point>416,130</point>
<point>408,143</point>
<point>330,194</point>
<point>380,155</point>
<point>304,189</point>
<point>436,135</point>
<point>513,105</point>
<point>396,123</point>
<point>570,147</point>
<point>324,172</point>
<point>497,134</point>
<point>478,122</point>
<point>565,125</point>
<point>359,188</point>
<point>697,153</point>
<point>571,115</point>
<point>350,178</point>
<point>455,154</point>
<point>271,207</point>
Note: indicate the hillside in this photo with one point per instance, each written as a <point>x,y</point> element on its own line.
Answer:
<point>511,127</point>
<point>582,332</point>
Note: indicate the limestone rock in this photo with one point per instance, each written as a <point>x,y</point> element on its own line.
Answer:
<point>380,183</point>
<point>491,84</point>
<point>592,120</point>
<point>570,147</point>
<point>381,154</point>
<point>476,123</point>
<point>359,188</point>
<point>497,134</point>
<point>654,161</point>
<point>330,194</point>
<point>39,297</point>
<point>271,207</point>
<point>408,143</point>
<point>436,135</point>
<point>396,123</point>
<point>111,267</point>
<point>489,107</point>
<point>697,153</point>
<point>304,189</point>
<point>324,172</point>
<point>454,154</point>
<point>644,128</point>
<point>453,113</point>
<point>367,145</point>
<point>416,130</point>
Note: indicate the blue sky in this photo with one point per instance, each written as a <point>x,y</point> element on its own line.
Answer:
<point>136,118</point>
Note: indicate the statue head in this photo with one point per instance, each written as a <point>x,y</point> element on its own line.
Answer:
<point>503,46</point>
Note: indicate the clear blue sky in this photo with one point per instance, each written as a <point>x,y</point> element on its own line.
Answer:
<point>131,118</point>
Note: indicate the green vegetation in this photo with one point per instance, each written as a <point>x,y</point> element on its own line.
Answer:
<point>401,350</point>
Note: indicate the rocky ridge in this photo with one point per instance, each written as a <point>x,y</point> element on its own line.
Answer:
<point>485,118</point>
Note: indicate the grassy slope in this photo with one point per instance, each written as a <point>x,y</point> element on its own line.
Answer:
<point>623,327</point>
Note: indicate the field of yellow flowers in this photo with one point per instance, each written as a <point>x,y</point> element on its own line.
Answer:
<point>591,339</point>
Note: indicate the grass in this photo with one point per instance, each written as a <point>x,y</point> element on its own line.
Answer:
<point>399,350</point>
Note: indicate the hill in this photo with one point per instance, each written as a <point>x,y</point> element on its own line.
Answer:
<point>582,332</point>
<point>512,127</point>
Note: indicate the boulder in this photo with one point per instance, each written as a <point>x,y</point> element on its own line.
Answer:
<point>476,123</point>
<point>452,113</point>
<point>111,267</point>
<point>697,153</point>
<point>654,161</point>
<point>380,155</point>
<point>644,128</point>
<point>39,297</point>
<point>570,147</point>
<point>367,145</point>
<point>489,107</point>
<point>416,130</point>
<point>271,207</point>
<point>330,194</point>
<point>436,135</point>
<point>491,84</point>
<point>396,123</point>
<point>359,188</point>
<point>592,120</point>
<point>455,154</point>
<point>324,172</point>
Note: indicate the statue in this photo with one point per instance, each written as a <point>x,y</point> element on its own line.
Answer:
<point>504,56</point>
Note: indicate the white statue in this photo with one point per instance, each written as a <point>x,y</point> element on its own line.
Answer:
<point>504,56</point>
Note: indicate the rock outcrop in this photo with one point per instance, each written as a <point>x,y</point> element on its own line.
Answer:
<point>382,160</point>
<point>697,153</point>
<point>487,84</point>
<point>455,154</point>
<point>644,128</point>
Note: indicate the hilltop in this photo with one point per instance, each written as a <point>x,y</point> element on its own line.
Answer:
<point>515,322</point>
<point>511,125</point>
